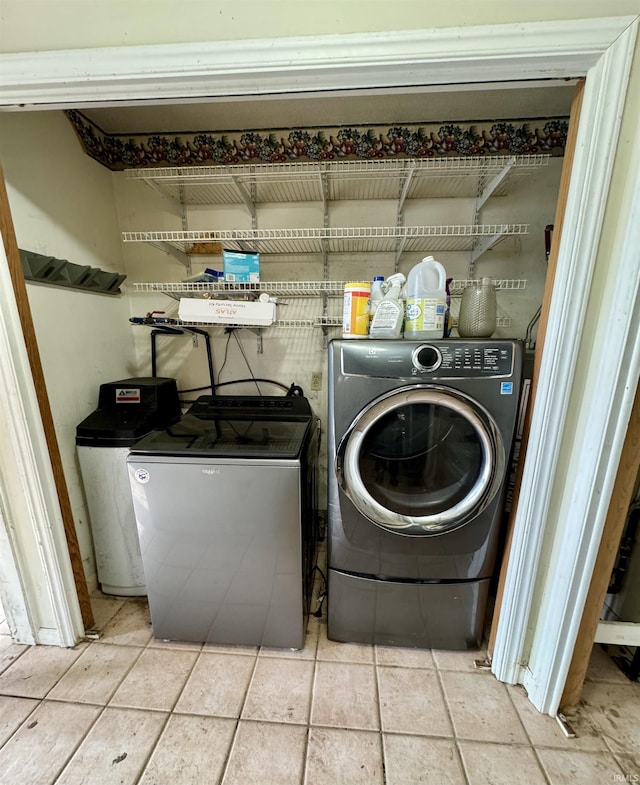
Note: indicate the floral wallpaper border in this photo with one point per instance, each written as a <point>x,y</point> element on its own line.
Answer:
<point>519,137</point>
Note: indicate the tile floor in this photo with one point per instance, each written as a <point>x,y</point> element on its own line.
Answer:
<point>127,709</point>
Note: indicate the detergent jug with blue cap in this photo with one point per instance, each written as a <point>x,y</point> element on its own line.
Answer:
<point>426,300</point>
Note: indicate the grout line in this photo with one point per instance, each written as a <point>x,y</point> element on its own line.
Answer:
<point>79,744</point>
<point>68,668</point>
<point>39,702</point>
<point>608,744</point>
<point>542,766</point>
<point>463,768</point>
<point>153,748</point>
<point>248,689</point>
<point>383,758</point>
<point>227,761</point>
<point>99,716</point>
<point>515,708</point>
<point>27,646</point>
<point>311,703</point>
<point>305,754</point>
<point>380,725</point>
<point>314,682</point>
<point>119,684</point>
<point>184,684</point>
<point>628,775</point>
<point>445,700</point>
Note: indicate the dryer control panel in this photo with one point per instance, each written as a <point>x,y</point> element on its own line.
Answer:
<point>446,359</point>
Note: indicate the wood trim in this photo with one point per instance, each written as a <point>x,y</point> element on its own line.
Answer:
<point>605,560</point>
<point>26,320</point>
<point>565,179</point>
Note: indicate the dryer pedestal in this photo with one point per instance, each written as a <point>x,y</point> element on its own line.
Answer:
<point>415,615</point>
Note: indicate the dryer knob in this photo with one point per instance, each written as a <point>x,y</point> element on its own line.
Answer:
<point>427,358</point>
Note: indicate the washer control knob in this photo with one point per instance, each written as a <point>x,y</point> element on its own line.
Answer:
<point>427,358</point>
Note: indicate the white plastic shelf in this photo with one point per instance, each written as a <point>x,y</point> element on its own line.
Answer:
<point>336,180</point>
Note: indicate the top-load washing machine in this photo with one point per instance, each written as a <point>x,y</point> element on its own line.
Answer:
<point>420,436</point>
<point>225,504</point>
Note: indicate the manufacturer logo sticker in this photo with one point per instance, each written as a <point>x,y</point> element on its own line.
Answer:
<point>506,388</point>
<point>142,476</point>
<point>127,395</point>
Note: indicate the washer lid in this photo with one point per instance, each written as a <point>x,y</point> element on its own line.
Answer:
<point>421,460</point>
<point>238,426</point>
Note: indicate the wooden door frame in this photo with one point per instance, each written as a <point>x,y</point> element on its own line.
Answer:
<point>605,561</point>
<point>565,179</point>
<point>40,421</point>
<point>625,479</point>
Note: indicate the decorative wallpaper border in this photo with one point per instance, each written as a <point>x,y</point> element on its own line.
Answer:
<point>116,151</point>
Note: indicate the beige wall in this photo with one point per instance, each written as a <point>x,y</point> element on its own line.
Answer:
<point>73,24</point>
<point>63,205</point>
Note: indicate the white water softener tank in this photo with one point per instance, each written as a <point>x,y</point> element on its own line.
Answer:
<point>127,410</point>
<point>426,300</point>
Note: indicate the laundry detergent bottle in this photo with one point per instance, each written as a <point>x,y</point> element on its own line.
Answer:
<point>426,300</point>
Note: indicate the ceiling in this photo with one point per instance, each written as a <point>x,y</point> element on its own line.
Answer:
<point>363,107</point>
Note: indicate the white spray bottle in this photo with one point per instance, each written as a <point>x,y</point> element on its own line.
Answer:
<point>389,316</point>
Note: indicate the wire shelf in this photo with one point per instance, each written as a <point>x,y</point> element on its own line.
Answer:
<point>305,324</point>
<point>362,239</point>
<point>456,287</point>
<point>337,180</point>
<point>290,288</point>
<point>274,288</point>
<point>286,324</point>
<point>501,321</point>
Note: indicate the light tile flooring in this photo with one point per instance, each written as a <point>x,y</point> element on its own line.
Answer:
<point>129,709</point>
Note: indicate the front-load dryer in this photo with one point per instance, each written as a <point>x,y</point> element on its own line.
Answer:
<point>420,437</point>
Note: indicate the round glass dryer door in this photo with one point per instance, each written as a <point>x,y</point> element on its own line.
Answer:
<point>421,461</point>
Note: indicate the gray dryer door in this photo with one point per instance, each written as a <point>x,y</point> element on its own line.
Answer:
<point>421,460</point>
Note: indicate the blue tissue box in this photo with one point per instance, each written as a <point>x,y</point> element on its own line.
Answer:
<point>241,267</point>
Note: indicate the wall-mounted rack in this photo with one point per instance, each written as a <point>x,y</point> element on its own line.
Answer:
<point>288,288</point>
<point>478,177</point>
<point>408,178</point>
<point>473,177</point>
<point>292,290</point>
<point>362,239</point>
